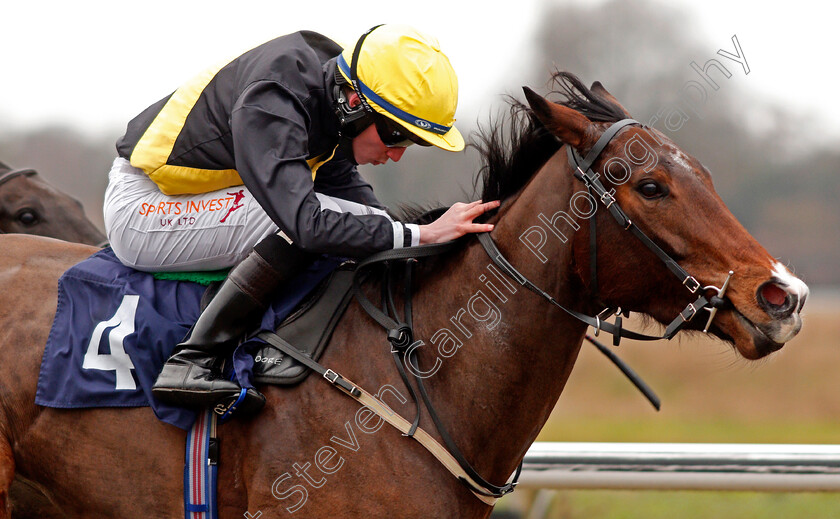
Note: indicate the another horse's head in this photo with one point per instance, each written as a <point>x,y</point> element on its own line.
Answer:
<point>669,196</point>
<point>31,205</point>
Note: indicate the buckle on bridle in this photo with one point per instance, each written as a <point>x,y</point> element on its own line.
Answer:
<point>692,311</point>
<point>691,284</point>
<point>607,199</point>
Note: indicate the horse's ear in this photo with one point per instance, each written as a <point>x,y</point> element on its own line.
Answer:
<point>599,89</point>
<point>570,126</point>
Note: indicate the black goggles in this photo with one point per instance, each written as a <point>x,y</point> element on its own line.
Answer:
<point>395,136</point>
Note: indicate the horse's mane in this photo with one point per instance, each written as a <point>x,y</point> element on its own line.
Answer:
<point>514,146</point>
<point>510,158</point>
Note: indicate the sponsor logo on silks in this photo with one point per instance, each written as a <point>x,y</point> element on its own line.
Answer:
<point>186,213</point>
<point>237,203</point>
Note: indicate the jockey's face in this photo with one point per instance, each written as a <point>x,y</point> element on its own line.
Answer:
<point>369,149</point>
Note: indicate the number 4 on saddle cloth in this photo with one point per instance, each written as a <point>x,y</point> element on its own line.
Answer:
<point>115,327</point>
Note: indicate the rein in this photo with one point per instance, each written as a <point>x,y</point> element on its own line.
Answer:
<point>401,337</point>
<point>583,172</point>
<point>400,331</point>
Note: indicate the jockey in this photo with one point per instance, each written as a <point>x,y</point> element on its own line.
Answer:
<point>253,164</point>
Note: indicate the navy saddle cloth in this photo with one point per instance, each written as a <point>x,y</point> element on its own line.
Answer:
<point>116,326</point>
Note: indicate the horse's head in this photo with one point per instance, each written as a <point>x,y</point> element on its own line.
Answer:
<point>31,205</point>
<point>668,194</point>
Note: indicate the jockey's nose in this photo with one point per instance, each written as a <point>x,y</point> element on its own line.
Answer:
<point>395,154</point>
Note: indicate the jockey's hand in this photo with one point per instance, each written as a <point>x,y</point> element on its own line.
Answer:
<point>456,222</point>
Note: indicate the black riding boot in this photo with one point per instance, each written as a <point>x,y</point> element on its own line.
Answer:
<point>192,375</point>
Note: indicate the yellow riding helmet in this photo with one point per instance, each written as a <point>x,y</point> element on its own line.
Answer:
<point>403,75</point>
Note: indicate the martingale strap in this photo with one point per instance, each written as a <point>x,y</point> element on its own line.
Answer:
<point>400,335</point>
<point>386,413</point>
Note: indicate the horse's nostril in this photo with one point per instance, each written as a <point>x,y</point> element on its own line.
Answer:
<point>773,294</point>
<point>776,300</point>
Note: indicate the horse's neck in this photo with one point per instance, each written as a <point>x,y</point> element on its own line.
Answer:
<point>516,351</point>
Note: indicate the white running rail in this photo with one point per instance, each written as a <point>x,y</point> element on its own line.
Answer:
<point>682,466</point>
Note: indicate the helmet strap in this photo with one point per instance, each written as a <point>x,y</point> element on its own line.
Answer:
<point>352,119</point>
<point>354,64</point>
<point>345,147</point>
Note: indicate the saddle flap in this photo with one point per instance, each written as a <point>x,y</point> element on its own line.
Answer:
<point>308,329</point>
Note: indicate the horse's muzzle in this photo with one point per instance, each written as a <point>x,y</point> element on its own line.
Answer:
<point>765,321</point>
<point>783,302</point>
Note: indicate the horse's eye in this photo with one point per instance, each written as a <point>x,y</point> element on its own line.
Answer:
<point>27,217</point>
<point>651,189</point>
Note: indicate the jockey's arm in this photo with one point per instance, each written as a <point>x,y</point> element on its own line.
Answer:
<point>271,139</point>
<point>341,179</point>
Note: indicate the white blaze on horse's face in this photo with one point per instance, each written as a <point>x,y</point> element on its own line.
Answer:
<point>795,294</point>
<point>772,316</point>
<point>680,158</point>
<point>791,283</point>
<point>766,297</point>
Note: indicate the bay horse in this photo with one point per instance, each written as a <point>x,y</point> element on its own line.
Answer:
<point>495,357</point>
<point>31,205</point>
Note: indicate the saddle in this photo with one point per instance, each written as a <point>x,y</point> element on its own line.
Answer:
<point>308,328</point>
